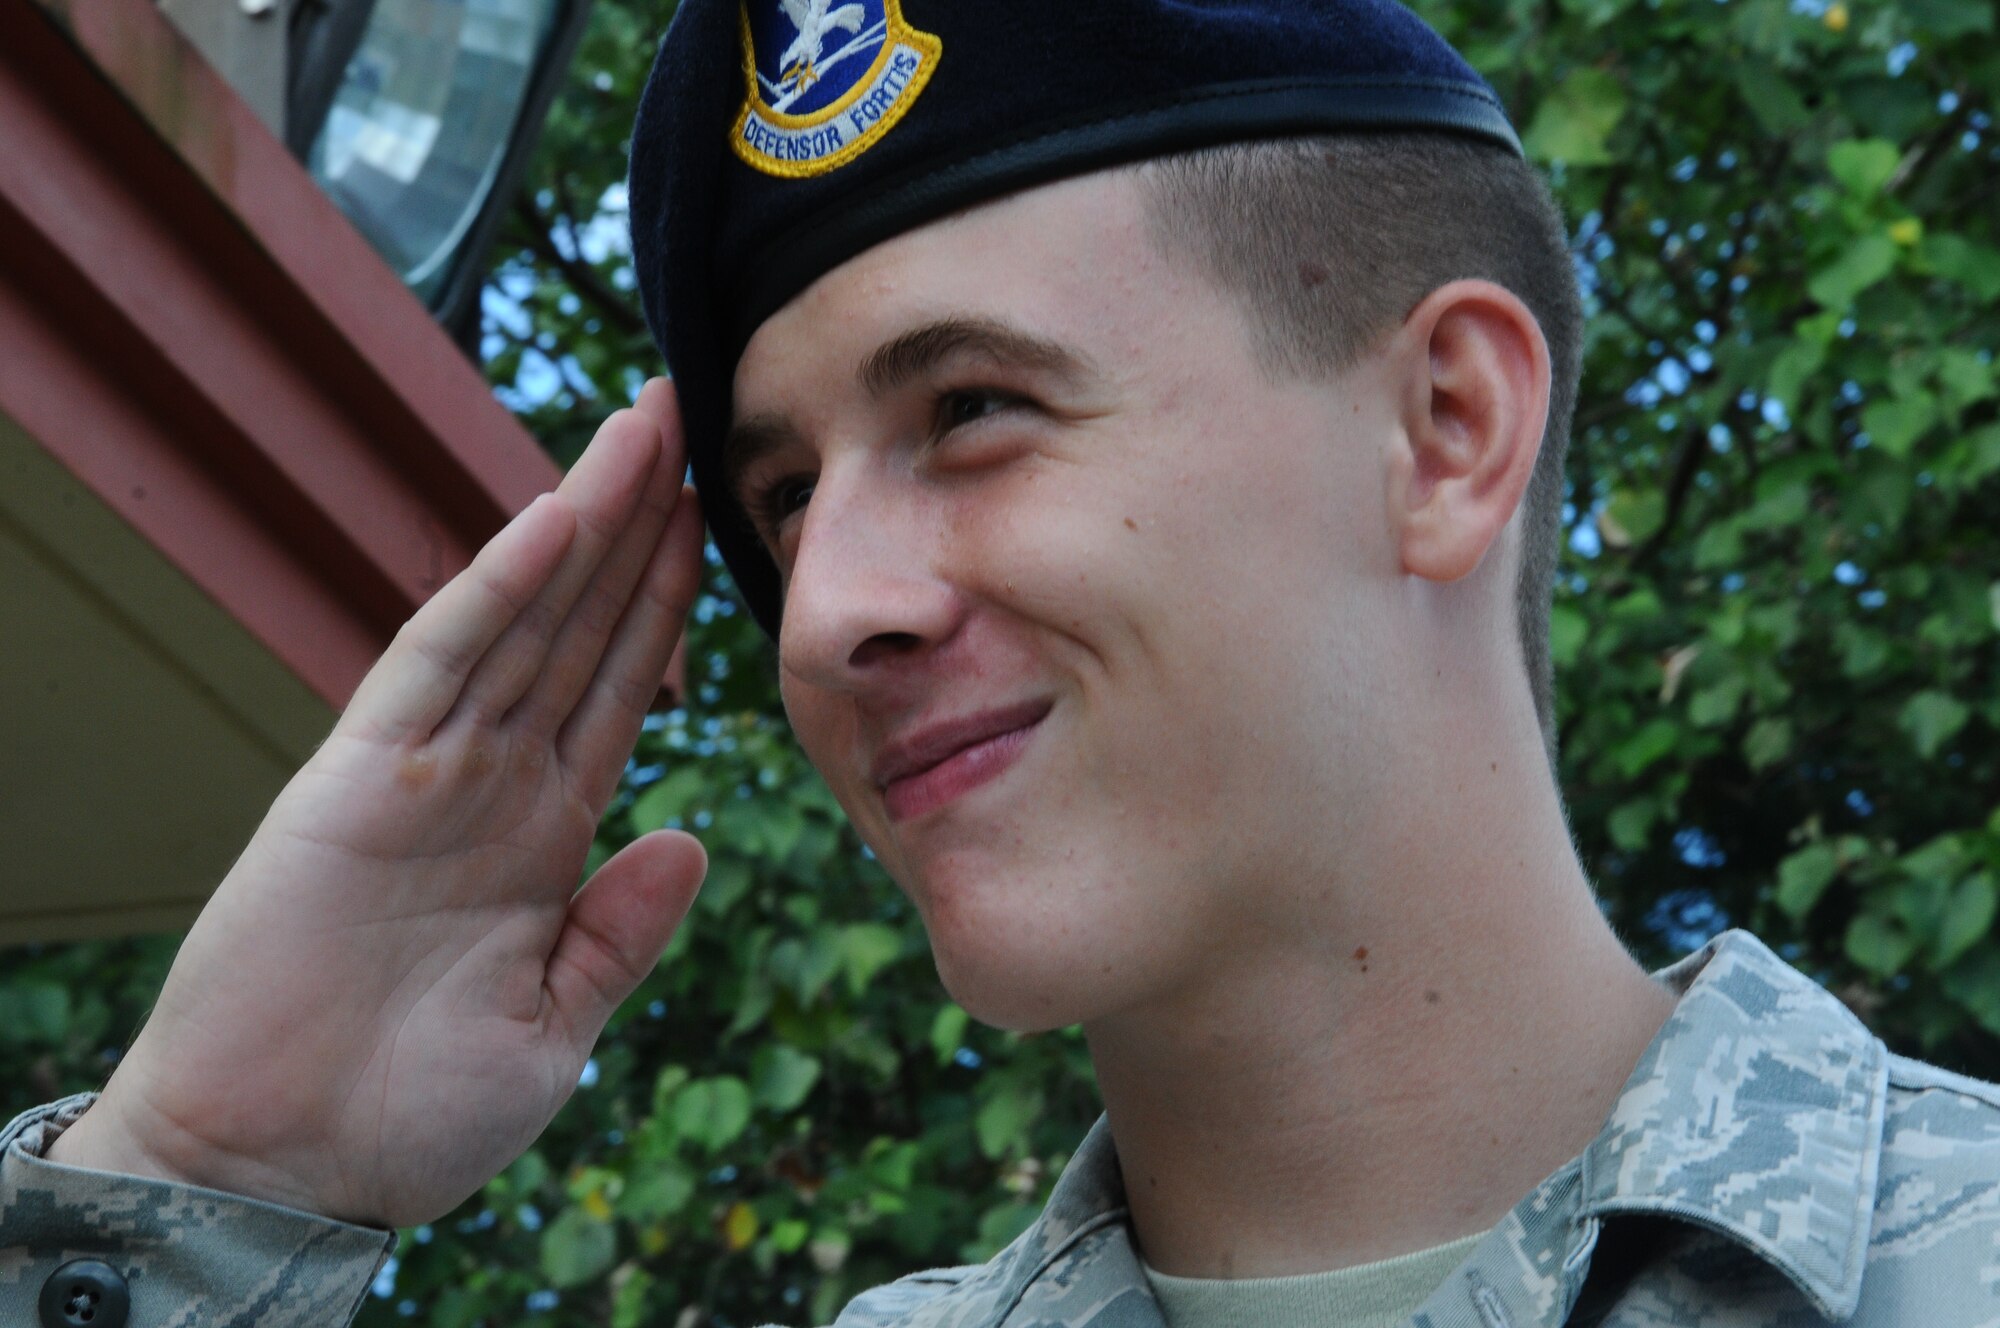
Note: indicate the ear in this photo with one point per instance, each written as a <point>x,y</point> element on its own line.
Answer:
<point>1472,375</point>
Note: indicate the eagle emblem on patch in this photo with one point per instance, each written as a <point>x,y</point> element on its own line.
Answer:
<point>827,79</point>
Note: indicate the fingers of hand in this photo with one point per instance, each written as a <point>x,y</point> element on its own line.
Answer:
<point>618,925</point>
<point>422,674</point>
<point>604,488</point>
<point>659,403</point>
<point>579,646</point>
<point>599,734</point>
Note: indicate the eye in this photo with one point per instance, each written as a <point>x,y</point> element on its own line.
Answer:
<point>969,406</point>
<point>773,505</point>
<point>792,494</point>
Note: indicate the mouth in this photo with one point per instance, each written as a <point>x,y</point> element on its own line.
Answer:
<point>932,766</point>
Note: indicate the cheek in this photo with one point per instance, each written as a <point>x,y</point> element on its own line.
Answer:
<point>825,728</point>
<point>1058,545</point>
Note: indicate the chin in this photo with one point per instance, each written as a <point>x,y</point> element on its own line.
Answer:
<point>1008,998</point>
<point>1024,957</point>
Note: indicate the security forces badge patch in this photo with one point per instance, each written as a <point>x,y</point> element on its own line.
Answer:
<point>827,78</point>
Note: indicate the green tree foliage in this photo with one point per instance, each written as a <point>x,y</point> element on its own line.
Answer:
<point>1777,629</point>
<point>1776,634</point>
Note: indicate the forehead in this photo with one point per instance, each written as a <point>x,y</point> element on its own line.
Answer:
<point>1071,261</point>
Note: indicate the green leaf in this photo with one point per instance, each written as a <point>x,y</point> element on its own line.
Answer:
<point>1719,547</point>
<point>1768,742</point>
<point>1782,500</point>
<point>631,1298</point>
<point>1715,705</point>
<point>1632,517</point>
<point>1946,19</point>
<point>577,1248</point>
<point>1001,1124</point>
<point>803,966</point>
<point>1974,982</point>
<point>34,1012</point>
<point>1894,426</point>
<point>1567,630</point>
<point>1778,108</point>
<point>1933,719</point>
<point>866,950</point>
<point>1793,369</point>
<point>782,1076</point>
<point>1879,943</point>
<point>1865,262</point>
<point>1965,376</point>
<point>1804,876</point>
<point>948,1031</point>
<point>672,798</point>
<point>1645,746</point>
<point>712,1112</point>
<point>658,1190</point>
<point>1945,857</point>
<point>1883,490</point>
<point>1576,118</point>
<point>729,879</point>
<point>529,1173</point>
<point>1970,264</point>
<point>1862,165</point>
<point>1889,107</point>
<point>1630,823</point>
<point>1968,916</point>
<point>1979,455</point>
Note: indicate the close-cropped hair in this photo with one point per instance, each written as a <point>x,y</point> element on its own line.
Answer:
<point>1329,242</point>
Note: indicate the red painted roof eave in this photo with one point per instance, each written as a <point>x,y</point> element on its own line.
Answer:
<point>196,332</point>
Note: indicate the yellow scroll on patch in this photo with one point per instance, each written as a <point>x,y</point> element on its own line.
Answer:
<point>795,146</point>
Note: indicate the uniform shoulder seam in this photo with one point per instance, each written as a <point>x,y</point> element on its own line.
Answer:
<point>955,1273</point>
<point>1918,1076</point>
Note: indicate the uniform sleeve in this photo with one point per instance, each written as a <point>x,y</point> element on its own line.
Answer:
<point>97,1249</point>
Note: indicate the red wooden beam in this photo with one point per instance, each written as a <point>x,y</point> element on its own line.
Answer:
<point>197,333</point>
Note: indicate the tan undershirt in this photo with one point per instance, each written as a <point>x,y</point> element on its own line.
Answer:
<point>1369,1295</point>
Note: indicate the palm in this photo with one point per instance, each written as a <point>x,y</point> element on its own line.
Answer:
<point>395,988</point>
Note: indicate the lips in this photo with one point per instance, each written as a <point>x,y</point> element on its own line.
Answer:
<point>931,766</point>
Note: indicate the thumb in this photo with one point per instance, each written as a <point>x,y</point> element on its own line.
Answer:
<point>619,923</point>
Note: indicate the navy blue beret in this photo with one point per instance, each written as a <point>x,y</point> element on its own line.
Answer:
<point>778,138</point>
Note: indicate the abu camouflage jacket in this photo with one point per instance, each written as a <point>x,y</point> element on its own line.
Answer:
<point>1768,1165</point>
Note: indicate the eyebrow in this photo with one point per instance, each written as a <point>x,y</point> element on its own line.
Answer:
<point>921,349</point>
<point>899,361</point>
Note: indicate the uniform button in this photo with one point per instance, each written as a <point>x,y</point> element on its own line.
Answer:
<point>84,1293</point>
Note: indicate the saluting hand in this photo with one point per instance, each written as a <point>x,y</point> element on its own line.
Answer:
<point>398,983</point>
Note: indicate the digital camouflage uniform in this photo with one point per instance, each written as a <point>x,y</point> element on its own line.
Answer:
<point>1768,1164</point>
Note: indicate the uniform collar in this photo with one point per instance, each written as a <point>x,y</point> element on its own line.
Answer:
<point>1755,1113</point>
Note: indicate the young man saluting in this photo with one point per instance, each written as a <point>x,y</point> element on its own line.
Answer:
<point>1140,424</point>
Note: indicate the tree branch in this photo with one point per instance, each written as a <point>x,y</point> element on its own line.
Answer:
<point>1687,465</point>
<point>585,280</point>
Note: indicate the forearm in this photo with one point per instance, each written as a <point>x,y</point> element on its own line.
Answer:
<point>183,1255</point>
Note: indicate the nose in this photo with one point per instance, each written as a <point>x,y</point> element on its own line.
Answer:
<point>866,601</point>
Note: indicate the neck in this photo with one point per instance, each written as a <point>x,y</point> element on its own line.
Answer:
<point>1395,1073</point>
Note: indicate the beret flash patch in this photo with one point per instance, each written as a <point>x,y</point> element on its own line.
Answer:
<point>827,79</point>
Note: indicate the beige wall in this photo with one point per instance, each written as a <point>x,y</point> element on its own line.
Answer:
<point>142,729</point>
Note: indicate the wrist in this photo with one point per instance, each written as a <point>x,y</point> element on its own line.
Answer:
<point>96,1142</point>
<point>106,1139</point>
